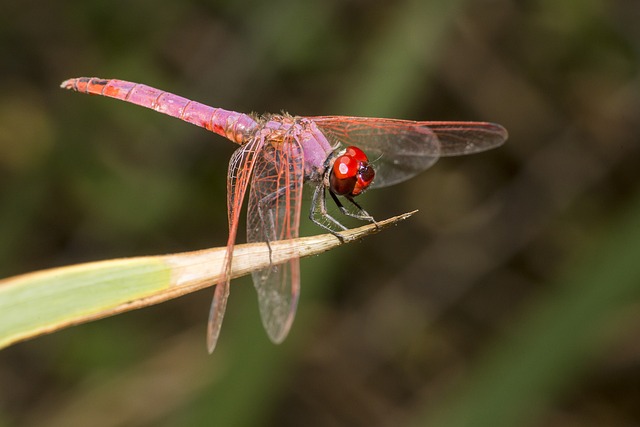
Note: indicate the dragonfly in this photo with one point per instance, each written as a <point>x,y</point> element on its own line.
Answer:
<point>278,153</point>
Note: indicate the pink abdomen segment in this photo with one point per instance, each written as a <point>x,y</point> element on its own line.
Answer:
<point>235,126</point>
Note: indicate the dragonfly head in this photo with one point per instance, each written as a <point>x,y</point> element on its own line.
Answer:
<point>351,173</point>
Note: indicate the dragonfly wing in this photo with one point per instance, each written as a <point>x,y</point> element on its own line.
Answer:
<point>460,138</point>
<point>274,214</point>
<point>400,149</point>
<point>241,166</point>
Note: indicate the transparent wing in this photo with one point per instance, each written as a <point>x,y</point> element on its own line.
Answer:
<point>461,138</point>
<point>241,166</point>
<point>400,149</point>
<point>274,214</point>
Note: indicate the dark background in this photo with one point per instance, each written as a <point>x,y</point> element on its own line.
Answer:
<point>470,313</point>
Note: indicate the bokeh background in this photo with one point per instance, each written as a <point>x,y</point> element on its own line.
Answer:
<point>511,298</point>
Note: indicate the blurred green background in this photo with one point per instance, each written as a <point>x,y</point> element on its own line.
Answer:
<point>511,298</point>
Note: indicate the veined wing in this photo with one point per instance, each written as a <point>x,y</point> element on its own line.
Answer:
<point>274,214</point>
<point>241,167</point>
<point>400,149</point>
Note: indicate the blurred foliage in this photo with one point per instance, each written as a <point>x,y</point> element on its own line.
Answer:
<point>426,322</point>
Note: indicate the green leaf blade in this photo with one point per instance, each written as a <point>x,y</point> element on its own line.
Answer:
<point>42,302</point>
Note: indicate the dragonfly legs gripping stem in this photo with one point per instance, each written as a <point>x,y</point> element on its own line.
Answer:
<point>321,217</point>
<point>360,214</point>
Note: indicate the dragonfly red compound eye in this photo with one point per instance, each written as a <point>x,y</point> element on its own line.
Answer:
<point>357,154</point>
<point>351,173</point>
<point>343,177</point>
<point>365,177</point>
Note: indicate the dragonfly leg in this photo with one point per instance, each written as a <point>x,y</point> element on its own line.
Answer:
<point>265,213</point>
<point>360,214</point>
<point>266,209</point>
<point>319,210</point>
<point>268,230</point>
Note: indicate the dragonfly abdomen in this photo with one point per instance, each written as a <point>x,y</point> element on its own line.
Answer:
<point>232,125</point>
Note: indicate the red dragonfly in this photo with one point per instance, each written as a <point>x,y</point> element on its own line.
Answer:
<point>278,153</point>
